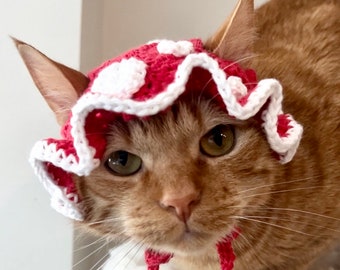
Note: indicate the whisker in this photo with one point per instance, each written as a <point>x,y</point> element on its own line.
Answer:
<point>127,253</point>
<point>287,190</point>
<point>101,262</point>
<point>256,255</point>
<point>292,221</point>
<point>280,183</point>
<point>244,59</point>
<point>305,212</point>
<point>134,255</point>
<point>273,225</point>
<point>104,220</point>
<point>91,244</point>
<point>89,255</point>
<point>232,64</point>
<point>79,235</point>
<point>213,97</point>
<point>288,210</point>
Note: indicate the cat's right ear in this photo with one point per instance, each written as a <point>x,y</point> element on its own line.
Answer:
<point>60,86</point>
<point>235,38</point>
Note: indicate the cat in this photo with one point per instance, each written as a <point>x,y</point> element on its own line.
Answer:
<point>181,180</point>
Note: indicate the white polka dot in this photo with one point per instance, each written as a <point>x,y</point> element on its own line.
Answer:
<point>121,79</point>
<point>179,48</point>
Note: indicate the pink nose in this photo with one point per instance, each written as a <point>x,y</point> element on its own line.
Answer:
<point>181,206</point>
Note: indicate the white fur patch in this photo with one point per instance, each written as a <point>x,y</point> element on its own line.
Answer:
<point>128,256</point>
<point>121,80</point>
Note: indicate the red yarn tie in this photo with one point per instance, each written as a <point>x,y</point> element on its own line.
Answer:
<point>153,259</point>
<point>226,252</point>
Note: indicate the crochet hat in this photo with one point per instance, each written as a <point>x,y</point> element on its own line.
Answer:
<point>146,81</point>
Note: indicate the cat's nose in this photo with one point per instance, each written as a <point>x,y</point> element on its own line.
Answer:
<point>181,206</point>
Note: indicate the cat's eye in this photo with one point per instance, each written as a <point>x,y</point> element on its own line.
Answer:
<point>123,163</point>
<point>218,141</point>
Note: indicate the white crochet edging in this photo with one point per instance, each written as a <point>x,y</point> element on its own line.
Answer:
<point>66,204</point>
<point>45,151</point>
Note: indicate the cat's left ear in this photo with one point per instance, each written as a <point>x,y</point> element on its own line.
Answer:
<point>60,85</point>
<point>235,38</point>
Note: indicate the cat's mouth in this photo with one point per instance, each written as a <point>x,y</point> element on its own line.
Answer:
<point>191,241</point>
<point>192,237</point>
<point>194,242</point>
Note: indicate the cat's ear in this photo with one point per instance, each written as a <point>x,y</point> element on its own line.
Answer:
<point>60,86</point>
<point>235,38</point>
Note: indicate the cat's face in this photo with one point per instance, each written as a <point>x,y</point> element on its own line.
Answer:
<point>184,193</point>
<point>185,177</point>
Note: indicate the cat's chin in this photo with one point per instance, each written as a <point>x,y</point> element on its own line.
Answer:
<point>190,243</point>
<point>190,240</point>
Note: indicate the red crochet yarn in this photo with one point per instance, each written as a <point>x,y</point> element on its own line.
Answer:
<point>225,251</point>
<point>153,259</point>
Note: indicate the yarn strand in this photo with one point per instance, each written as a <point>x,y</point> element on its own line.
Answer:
<point>226,252</point>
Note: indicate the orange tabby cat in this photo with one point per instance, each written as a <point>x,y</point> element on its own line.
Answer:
<point>191,191</point>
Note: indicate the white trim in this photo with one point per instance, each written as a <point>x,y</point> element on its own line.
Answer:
<point>60,201</point>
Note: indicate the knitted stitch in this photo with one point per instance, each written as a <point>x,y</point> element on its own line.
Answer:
<point>226,253</point>
<point>146,81</point>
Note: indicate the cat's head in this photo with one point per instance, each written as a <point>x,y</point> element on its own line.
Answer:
<point>159,144</point>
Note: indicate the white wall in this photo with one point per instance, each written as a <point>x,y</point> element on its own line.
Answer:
<point>32,236</point>
<point>112,26</point>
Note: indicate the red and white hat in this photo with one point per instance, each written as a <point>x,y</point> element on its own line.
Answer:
<point>143,82</point>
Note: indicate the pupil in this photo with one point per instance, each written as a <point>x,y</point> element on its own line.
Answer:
<point>122,157</point>
<point>218,137</point>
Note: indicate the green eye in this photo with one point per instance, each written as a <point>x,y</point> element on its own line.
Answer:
<point>123,163</point>
<point>218,141</point>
